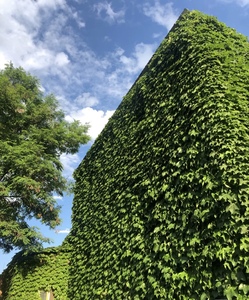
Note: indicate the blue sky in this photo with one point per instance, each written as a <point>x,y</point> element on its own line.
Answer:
<point>89,52</point>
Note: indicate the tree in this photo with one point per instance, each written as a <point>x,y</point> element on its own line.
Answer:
<point>33,135</point>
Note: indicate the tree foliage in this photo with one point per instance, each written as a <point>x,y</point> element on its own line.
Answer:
<point>33,135</point>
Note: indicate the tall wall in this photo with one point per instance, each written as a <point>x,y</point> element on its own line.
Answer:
<point>161,199</point>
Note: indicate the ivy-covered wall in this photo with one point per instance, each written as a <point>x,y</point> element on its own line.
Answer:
<point>28,274</point>
<point>161,208</point>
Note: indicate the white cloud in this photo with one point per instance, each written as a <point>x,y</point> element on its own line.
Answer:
<point>105,11</point>
<point>16,41</point>
<point>41,59</point>
<point>69,162</point>
<point>65,231</point>
<point>97,119</point>
<point>61,59</point>
<point>163,14</point>
<point>32,34</point>
<point>57,197</point>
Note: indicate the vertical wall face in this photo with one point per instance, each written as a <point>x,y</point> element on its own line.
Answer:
<point>161,199</point>
<point>36,275</point>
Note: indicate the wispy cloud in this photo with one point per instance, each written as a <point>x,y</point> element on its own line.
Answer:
<point>139,58</point>
<point>78,20</point>
<point>106,12</point>
<point>86,100</point>
<point>242,3</point>
<point>37,36</point>
<point>163,14</point>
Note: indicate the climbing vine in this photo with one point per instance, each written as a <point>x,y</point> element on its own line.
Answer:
<point>161,208</point>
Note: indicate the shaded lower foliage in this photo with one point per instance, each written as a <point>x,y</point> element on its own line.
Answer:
<point>30,273</point>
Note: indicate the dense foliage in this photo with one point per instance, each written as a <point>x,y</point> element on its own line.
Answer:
<point>30,273</point>
<point>161,208</point>
<point>33,135</point>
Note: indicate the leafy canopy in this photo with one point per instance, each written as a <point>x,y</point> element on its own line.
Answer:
<point>33,135</point>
